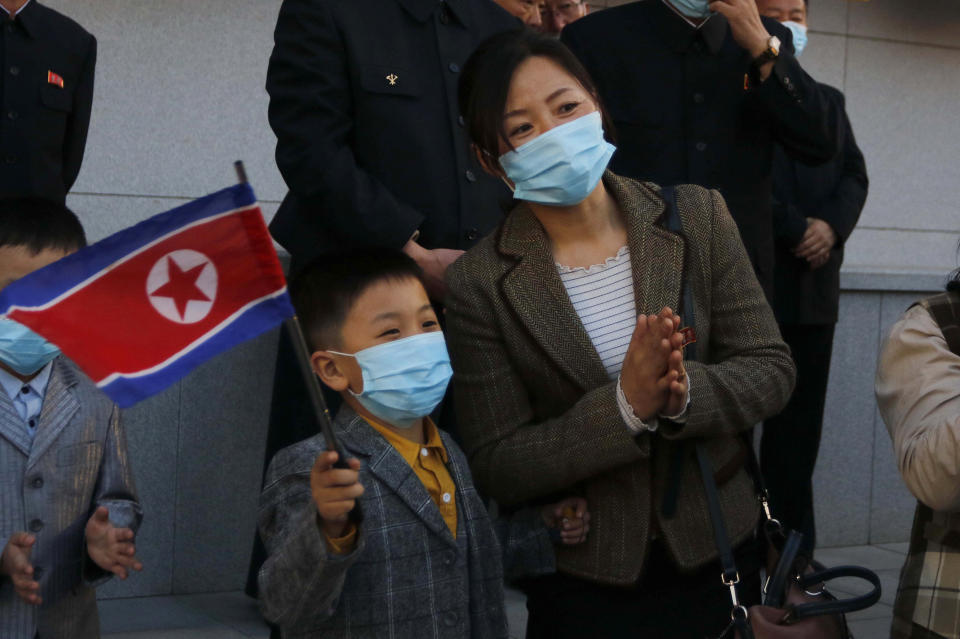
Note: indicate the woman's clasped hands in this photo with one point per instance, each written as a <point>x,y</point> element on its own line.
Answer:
<point>653,378</point>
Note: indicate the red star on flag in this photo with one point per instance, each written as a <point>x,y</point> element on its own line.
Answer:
<point>182,286</point>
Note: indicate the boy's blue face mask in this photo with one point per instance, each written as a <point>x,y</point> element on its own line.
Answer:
<point>562,166</point>
<point>404,380</point>
<point>23,350</point>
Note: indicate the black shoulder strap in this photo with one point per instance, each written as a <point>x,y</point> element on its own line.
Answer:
<point>675,225</point>
<point>945,310</point>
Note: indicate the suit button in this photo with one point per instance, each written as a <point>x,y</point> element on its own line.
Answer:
<point>444,13</point>
<point>36,525</point>
<point>10,159</point>
<point>14,70</point>
<point>37,482</point>
<point>470,175</point>
<point>698,98</point>
<point>701,146</point>
<point>449,558</point>
<point>13,115</point>
<point>454,67</point>
<point>472,234</point>
<point>450,619</point>
<point>461,121</point>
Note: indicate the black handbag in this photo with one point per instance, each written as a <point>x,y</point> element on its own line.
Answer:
<point>796,603</point>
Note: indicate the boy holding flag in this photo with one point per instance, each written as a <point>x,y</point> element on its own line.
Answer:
<point>68,506</point>
<point>394,540</point>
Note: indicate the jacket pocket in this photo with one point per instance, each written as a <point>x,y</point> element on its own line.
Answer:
<point>53,97</point>
<point>389,80</point>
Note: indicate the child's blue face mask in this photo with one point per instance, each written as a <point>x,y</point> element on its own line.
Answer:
<point>562,166</point>
<point>404,380</point>
<point>23,350</point>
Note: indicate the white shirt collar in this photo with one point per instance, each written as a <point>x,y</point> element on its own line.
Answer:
<point>17,12</point>
<point>13,385</point>
<point>685,18</point>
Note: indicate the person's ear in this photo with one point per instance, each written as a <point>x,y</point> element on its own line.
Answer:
<point>325,366</point>
<point>489,163</point>
<point>586,8</point>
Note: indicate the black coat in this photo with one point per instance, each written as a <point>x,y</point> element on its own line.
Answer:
<point>834,192</point>
<point>684,114</point>
<point>363,99</point>
<point>43,127</point>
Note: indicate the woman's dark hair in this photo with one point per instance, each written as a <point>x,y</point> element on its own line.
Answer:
<point>485,82</point>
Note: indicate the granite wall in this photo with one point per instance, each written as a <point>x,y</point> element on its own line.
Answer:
<point>180,96</point>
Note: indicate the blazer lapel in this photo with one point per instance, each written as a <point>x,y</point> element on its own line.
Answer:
<point>534,290</point>
<point>656,254</point>
<point>12,427</point>
<point>393,471</point>
<point>59,407</point>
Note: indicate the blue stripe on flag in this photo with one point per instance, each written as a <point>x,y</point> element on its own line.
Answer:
<point>61,276</point>
<point>126,391</point>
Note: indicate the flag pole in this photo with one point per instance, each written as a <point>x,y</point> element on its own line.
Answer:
<point>300,348</point>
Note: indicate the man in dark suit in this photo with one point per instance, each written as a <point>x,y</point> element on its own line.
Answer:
<point>363,99</point>
<point>700,93</point>
<point>46,93</point>
<point>815,210</point>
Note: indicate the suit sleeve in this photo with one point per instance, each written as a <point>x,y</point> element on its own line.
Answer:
<point>789,224</point>
<point>750,375</point>
<point>312,113</point>
<point>515,458</point>
<point>75,140</point>
<point>526,544</point>
<point>301,581</point>
<point>114,490</point>
<point>796,106</point>
<point>842,210</point>
<point>917,384</point>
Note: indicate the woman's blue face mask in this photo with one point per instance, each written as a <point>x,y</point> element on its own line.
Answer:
<point>403,380</point>
<point>562,166</point>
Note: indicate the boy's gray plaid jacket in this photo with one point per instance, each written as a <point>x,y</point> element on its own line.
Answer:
<point>407,576</point>
<point>78,461</point>
<point>539,414</point>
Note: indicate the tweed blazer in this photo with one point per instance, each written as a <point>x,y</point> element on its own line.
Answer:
<point>407,576</point>
<point>538,413</point>
<point>77,462</point>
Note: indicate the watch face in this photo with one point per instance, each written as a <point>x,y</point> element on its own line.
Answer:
<point>775,45</point>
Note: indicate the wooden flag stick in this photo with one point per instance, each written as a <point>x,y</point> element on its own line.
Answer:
<point>310,381</point>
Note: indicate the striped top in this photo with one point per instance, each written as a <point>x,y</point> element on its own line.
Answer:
<point>603,297</point>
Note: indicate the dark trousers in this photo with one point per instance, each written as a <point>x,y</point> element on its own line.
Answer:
<point>788,448</point>
<point>664,605</point>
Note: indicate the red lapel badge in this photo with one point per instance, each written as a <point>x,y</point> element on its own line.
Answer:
<point>689,335</point>
<point>53,78</point>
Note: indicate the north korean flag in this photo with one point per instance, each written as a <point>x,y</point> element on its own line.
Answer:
<point>142,308</point>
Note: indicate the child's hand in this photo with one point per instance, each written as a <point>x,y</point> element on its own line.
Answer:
<point>110,547</point>
<point>570,517</point>
<point>15,563</point>
<point>335,491</point>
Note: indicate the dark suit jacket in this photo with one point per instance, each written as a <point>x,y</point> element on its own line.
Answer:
<point>682,114</point>
<point>43,127</point>
<point>363,102</point>
<point>538,413</point>
<point>835,192</point>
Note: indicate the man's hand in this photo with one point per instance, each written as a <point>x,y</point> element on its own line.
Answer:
<point>746,28</point>
<point>434,264</point>
<point>817,242</point>
<point>644,375</point>
<point>570,517</point>
<point>335,492</point>
<point>110,547</point>
<point>15,563</point>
